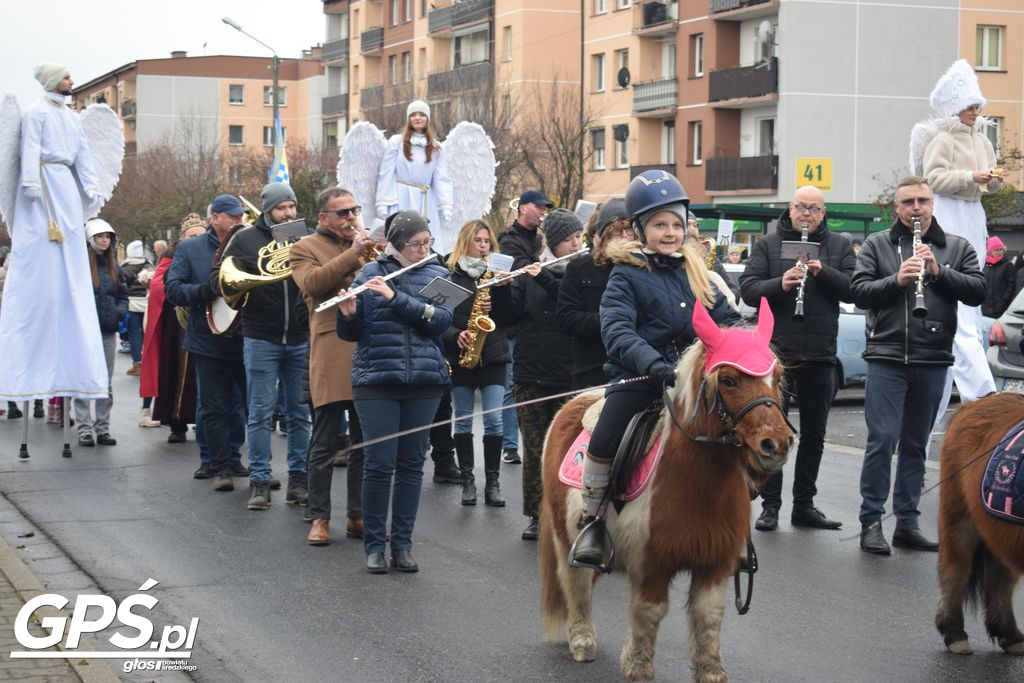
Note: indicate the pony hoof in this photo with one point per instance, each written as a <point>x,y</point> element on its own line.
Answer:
<point>716,675</point>
<point>1014,649</point>
<point>638,671</point>
<point>583,650</point>
<point>960,647</point>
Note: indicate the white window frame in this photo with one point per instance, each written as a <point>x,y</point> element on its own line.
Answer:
<point>408,11</point>
<point>241,89</point>
<point>623,4</point>
<point>622,153</point>
<point>459,53</point>
<point>600,6</point>
<point>668,141</point>
<point>598,151</point>
<point>268,135</point>
<point>984,45</point>
<point>394,12</point>
<point>698,55</point>
<point>696,143</point>
<point>668,59</point>
<point>506,39</point>
<point>282,96</point>
<point>621,62</point>
<point>598,68</point>
<point>241,135</point>
<point>759,123</point>
<point>994,132</point>
<point>406,66</point>
<point>393,69</point>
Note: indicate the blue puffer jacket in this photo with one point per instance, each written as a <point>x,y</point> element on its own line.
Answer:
<point>647,314</point>
<point>395,345</point>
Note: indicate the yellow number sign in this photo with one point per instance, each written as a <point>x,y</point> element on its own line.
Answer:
<point>816,172</point>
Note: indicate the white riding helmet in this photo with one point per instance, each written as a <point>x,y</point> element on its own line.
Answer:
<point>98,226</point>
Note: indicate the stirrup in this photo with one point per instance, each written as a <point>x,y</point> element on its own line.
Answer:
<point>596,525</point>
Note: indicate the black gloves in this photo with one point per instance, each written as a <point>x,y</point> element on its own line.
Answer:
<point>663,373</point>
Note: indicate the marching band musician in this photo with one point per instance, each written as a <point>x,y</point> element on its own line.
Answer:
<point>646,315</point>
<point>398,376</point>
<point>468,264</point>
<point>323,263</point>
<point>807,347</point>
<point>275,347</point>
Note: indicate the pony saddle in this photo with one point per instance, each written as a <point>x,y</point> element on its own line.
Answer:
<point>1002,488</point>
<point>635,461</point>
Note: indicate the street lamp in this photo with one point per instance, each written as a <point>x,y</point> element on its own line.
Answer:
<point>274,91</point>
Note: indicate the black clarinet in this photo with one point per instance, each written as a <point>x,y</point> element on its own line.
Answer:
<point>798,312</point>
<point>920,310</point>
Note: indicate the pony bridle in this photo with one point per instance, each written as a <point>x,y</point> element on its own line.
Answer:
<point>729,420</point>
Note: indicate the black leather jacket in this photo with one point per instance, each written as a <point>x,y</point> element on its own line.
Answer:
<point>893,333</point>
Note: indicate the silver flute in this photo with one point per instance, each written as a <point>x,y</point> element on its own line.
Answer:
<point>356,291</point>
<point>519,271</point>
<point>798,312</point>
<point>920,310</point>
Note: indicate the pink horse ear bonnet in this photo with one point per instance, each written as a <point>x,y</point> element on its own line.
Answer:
<point>745,350</point>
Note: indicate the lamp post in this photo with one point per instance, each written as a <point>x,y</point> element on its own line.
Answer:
<point>274,64</point>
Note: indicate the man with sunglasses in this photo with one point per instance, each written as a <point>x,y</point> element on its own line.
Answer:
<point>806,346</point>
<point>323,263</point>
<point>907,356</point>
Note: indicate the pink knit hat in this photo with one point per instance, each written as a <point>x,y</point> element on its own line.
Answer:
<point>994,243</point>
<point>745,350</point>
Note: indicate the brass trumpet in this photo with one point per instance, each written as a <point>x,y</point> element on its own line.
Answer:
<point>235,283</point>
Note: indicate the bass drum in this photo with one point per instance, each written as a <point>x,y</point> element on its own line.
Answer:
<point>221,318</point>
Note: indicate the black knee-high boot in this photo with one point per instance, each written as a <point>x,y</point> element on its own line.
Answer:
<point>464,452</point>
<point>492,467</point>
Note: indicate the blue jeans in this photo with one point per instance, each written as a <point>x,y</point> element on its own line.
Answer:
<point>266,363</point>
<point>491,396</point>
<point>222,383</point>
<point>236,428</point>
<point>135,321</point>
<point>400,460</point>
<point>509,416</point>
<point>900,404</point>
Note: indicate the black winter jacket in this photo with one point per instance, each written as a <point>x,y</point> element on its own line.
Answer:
<point>1001,285</point>
<point>579,312</point>
<point>111,297</point>
<point>495,354</point>
<point>814,339</point>
<point>893,333</point>
<point>542,354</point>
<point>524,246</point>
<point>274,312</point>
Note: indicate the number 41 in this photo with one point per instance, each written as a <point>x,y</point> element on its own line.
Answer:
<point>809,172</point>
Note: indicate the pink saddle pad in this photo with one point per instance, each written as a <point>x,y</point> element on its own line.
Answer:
<point>571,471</point>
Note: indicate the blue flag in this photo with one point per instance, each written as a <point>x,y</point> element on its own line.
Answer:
<point>279,169</point>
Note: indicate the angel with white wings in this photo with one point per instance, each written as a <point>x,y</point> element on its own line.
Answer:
<point>448,183</point>
<point>57,168</point>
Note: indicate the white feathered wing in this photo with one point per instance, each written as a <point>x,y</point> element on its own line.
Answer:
<point>359,166</point>
<point>10,157</point>
<point>104,133</point>
<point>469,160</point>
<point>920,137</point>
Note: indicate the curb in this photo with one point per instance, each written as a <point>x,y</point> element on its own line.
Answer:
<point>28,586</point>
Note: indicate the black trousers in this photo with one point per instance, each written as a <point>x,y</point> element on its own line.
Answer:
<point>323,444</point>
<point>619,409</point>
<point>442,444</point>
<point>222,390</point>
<point>813,383</point>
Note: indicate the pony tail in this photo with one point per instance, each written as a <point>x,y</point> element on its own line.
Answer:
<point>697,274</point>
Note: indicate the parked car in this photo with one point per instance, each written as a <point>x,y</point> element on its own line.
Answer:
<point>1004,350</point>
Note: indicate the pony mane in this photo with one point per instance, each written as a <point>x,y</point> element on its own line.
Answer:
<point>690,372</point>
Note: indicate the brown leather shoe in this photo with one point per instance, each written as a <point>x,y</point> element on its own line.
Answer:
<point>135,369</point>
<point>354,527</point>
<point>318,533</point>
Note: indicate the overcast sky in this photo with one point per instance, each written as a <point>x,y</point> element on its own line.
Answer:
<point>93,37</point>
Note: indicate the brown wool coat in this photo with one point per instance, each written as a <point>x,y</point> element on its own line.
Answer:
<point>321,265</point>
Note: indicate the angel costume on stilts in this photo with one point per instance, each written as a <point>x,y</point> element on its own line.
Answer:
<point>460,177</point>
<point>949,152</point>
<point>50,184</point>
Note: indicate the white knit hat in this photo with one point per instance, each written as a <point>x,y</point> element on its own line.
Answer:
<point>957,90</point>
<point>50,74</point>
<point>418,106</point>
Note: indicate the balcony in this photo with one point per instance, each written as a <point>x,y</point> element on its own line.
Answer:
<point>744,82</point>
<point>634,171</point>
<point>742,174</point>
<point>656,18</point>
<point>741,10</point>
<point>334,50</point>
<point>446,19</point>
<point>469,77</point>
<point>371,40</point>
<point>729,5</point>
<point>653,98</point>
<point>335,104</point>
<point>371,97</point>
<point>128,109</point>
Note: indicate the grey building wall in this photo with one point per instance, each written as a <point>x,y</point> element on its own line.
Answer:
<point>178,109</point>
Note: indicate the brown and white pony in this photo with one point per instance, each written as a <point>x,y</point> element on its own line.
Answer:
<point>694,516</point>
<point>981,557</point>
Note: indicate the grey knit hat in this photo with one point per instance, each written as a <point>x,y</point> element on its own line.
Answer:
<point>401,226</point>
<point>559,225</point>
<point>275,193</point>
<point>611,210</point>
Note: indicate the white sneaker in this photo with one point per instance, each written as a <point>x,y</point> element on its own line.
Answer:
<point>146,419</point>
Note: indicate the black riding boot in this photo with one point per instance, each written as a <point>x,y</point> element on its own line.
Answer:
<point>593,546</point>
<point>464,452</point>
<point>492,467</point>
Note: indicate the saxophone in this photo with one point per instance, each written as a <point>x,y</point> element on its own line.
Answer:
<point>479,326</point>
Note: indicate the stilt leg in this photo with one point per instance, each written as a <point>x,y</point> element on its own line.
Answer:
<point>23,453</point>
<point>66,408</point>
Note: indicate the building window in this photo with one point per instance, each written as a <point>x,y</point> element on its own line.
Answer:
<point>471,48</point>
<point>330,134</point>
<point>235,135</point>
<point>994,132</point>
<point>622,153</point>
<point>506,41</point>
<point>406,67</point>
<point>394,12</point>
<point>268,135</point>
<point>236,94</point>
<point>624,4</point>
<point>668,59</point>
<point>597,143</point>
<point>621,62</point>
<point>989,48</point>
<point>422,59</point>
<point>392,69</point>
<point>696,154</point>
<point>355,77</point>
<point>282,96</point>
<point>766,137</point>
<point>668,141</point>
<point>408,11</point>
<point>600,6</point>
<point>597,72</point>
<point>423,8</point>
<point>697,41</point>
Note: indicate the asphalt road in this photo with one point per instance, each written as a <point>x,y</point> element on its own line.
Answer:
<point>273,608</point>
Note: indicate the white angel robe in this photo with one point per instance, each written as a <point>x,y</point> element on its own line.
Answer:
<point>395,193</point>
<point>49,331</point>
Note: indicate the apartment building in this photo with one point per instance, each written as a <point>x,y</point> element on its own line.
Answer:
<point>226,99</point>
